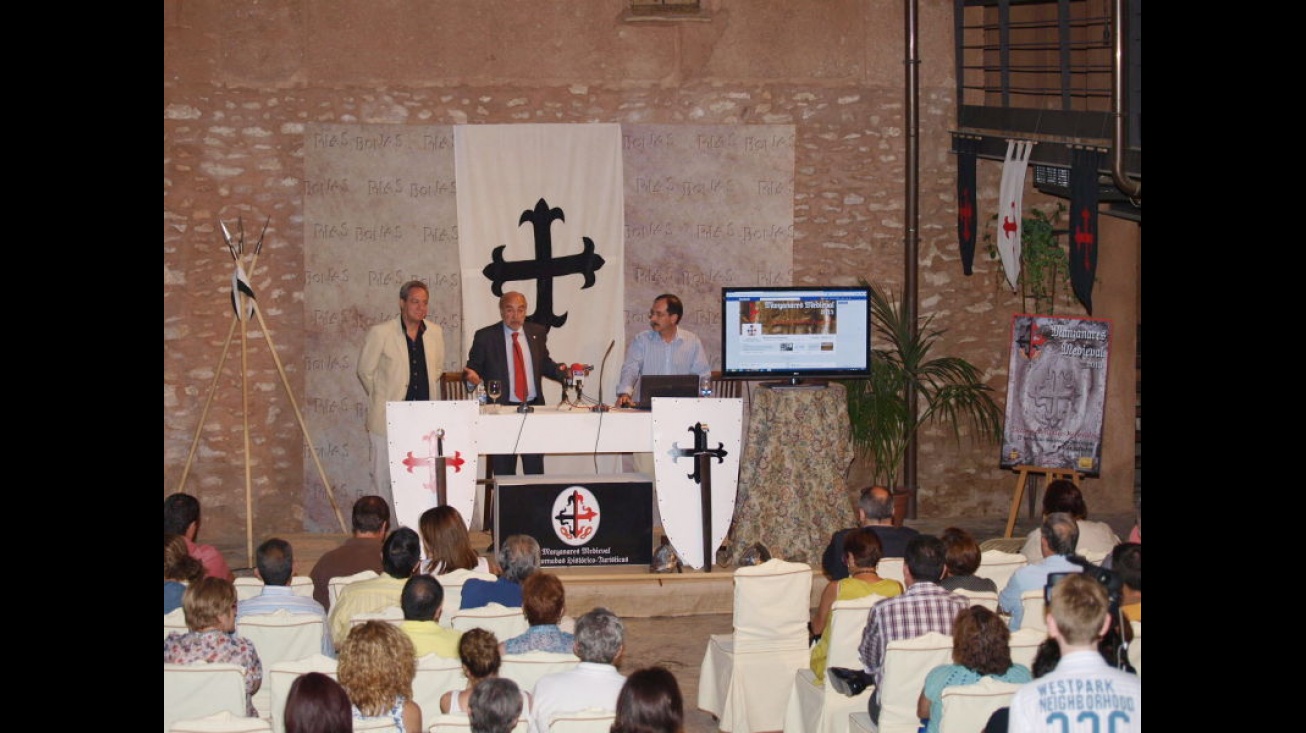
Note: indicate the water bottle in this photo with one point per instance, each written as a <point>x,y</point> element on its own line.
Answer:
<point>480,394</point>
<point>705,387</point>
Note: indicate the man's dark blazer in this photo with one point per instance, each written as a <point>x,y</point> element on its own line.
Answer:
<point>489,357</point>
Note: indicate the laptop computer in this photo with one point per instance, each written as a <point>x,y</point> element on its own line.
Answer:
<point>665,385</point>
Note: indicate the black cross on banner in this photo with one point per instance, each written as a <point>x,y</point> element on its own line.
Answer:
<point>545,266</point>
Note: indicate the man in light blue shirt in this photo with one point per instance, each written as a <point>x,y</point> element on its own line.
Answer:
<point>663,349</point>
<point>275,565</point>
<point>1060,535</point>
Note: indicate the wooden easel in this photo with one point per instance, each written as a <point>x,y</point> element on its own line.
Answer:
<point>245,305</point>
<point>1022,477</point>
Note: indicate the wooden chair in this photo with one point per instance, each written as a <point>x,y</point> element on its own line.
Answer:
<point>452,387</point>
<point>724,387</point>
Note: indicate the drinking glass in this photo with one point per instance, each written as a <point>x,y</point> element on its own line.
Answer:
<point>494,388</point>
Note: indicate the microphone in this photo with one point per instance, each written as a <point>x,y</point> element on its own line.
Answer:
<point>600,407</point>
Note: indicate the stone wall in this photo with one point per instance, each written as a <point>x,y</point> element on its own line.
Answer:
<point>242,79</point>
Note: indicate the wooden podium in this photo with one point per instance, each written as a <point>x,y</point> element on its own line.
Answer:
<point>1022,477</point>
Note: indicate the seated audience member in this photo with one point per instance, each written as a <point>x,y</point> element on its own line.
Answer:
<point>861,555</point>
<point>594,682</point>
<point>317,704</point>
<point>1127,561</point>
<point>1077,617</point>
<point>362,551</point>
<point>377,667</point>
<point>179,570</point>
<point>922,608</point>
<point>963,559</point>
<point>544,601</point>
<point>519,556</point>
<point>181,515</point>
<point>495,706</point>
<point>980,648</point>
<point>1059,535</point>
<point>446,546</point>
<point>422,599</point>
<point>275,566</point>
<point>1095,538</point>
<point>874,510</point>
<point>479,651</point>
<point>209,605</point>
<point>650,702</point>
<point>400,555</point>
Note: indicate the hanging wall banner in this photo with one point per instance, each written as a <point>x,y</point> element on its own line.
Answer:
<point>1056,395</point>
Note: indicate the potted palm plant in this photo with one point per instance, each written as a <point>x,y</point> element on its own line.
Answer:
<point>949,391</point>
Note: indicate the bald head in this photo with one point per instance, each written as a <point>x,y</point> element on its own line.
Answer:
<point>512,308</point>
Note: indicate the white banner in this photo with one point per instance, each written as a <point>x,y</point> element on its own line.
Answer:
<point>541,211</point>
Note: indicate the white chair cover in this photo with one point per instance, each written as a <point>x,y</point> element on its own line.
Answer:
<point>818,708</point>
<point>505,622</point>
<point>1135,655</point>
<point>860,722</point>
<point>389,614</point>
<point>891,568</point>
<point>375,725</point>
<point>247,588</point>
<point>590,720</point>
<point>985,598</point>
<point>335,584</point>
<point>526,669</point>
<point>999,566</point>
<point>460,723</point>
<point>175,621</point>
<point>223,722</point>
<point>452,582</point>
<point>906,663</point>
<point>199,690</point>
<point>280,636</point>
<point>1024,645</point>
<point>966,708</point>
<point>435,676</point>
<point>746,677</point>
<point>1032,602</point>
<point>279,677</point>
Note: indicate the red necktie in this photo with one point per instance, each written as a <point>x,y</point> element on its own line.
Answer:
<point>518,368</point>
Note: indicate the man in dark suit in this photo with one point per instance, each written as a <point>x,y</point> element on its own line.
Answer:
<point>492,357</point>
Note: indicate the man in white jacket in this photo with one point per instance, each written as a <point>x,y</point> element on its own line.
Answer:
<point>401,361</point>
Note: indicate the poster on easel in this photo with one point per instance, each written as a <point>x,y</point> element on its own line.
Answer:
<point>1056,393</point>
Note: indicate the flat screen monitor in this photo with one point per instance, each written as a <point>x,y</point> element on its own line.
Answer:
<point>795,333</point>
